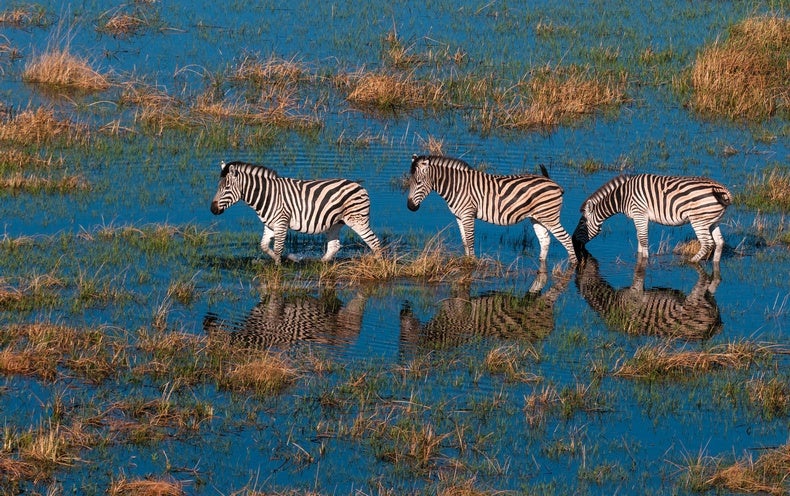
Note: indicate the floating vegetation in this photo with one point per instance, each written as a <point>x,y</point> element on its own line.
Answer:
<point>767,474</point>
<point>145,487</point>
<point>746,75</point>
<point>24,16</point>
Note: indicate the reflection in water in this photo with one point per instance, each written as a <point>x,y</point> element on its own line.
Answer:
<point>463,318</point>
<point>282,319</point>
<point>654,311</point>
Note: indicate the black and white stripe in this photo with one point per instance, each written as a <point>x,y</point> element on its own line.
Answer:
<point>504,200</point>
<point>308,206</point>
<point>668,200</point>
<point>464,318</point>
<point>663,312</point>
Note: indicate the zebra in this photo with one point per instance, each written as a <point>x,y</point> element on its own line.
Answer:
<point>668,200</point>
<point>463,318</point>
<point>503,200</point>
<point>308,206</point>
<point>660,312</point>
<point>281,319</point>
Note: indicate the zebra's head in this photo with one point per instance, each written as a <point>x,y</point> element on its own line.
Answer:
<point>419,181</point>
<point>229,189</point>
<point>588,227</point>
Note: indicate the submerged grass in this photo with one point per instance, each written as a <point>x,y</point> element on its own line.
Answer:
<point>746,75</point>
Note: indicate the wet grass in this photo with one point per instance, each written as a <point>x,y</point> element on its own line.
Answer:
<point>768,192</point>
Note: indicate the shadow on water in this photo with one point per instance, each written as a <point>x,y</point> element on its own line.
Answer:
<point>655,311</point>
<point>282,319</point>
<point>464,318</point>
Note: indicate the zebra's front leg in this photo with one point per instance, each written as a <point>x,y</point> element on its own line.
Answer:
<point>332,242</point>
<point>466,224</point>
<point>279,242</point>
<point>543,238</point>
<point>641,236</point>
<point>266,241</point>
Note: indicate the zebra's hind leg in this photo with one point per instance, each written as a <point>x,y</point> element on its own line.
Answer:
<point>706,241</point>
<point>362,228</point>
<point>332,242</point>
<point>718,239</point>
<point>543,238</point>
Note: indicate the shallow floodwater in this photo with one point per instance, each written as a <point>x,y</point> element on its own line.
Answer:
<point>417,347</point>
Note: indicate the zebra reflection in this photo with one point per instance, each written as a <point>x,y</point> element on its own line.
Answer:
<point>655,311</point>
<point>463,318</point>
<point>282,319</point>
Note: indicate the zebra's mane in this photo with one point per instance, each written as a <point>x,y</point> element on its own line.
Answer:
<point>448,162</point>
<point>605,191</point>
<point>248,167</point>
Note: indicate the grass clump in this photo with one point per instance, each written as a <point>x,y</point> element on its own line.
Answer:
<point>267,373</point>
<point>40,126</point>
<point>746,75</point>
<point>552,96</point>
<point>145,487</point>
<point>768,474</point>
<point>393,91</point>
<point>661,361</point>
<point>770,193</point>
<point>58,67</point>
<point>24,16</point>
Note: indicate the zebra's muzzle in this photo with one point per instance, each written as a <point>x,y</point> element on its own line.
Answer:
<point>412,206</point>
<point>215,208</point>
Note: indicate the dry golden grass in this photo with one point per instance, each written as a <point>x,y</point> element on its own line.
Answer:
<point>769,474</point>
<point>772,395</point>
<point>771,192</point>
<point>393,91</point>
<point>22,159</point>
<point>30,183</point>
<point>267,373</point>
<point>272,71</point>
<point>121,25</point>
<point>555,95</point>
<point>508,360</point>
<point>745,76</point>
<point>59,67</point>
<point>145,487</point>
<point>433,264</point>
<point>15,470</point>
<point>660,361</point>
<point>40,126</point>
<point>21,16</point>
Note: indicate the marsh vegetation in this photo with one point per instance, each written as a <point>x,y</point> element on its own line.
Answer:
<point>146,348</point>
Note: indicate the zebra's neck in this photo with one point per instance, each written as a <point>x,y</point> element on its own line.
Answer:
<point>608,200</point>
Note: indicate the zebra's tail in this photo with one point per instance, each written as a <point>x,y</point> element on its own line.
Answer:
<point>722,195</point>
<point>544,171</point>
